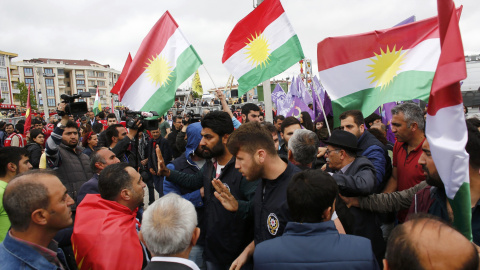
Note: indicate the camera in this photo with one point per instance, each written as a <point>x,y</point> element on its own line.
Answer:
<point>192,118</point>
<point>134,116</point>
<point>75,108</point>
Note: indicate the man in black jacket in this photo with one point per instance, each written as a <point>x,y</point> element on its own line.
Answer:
<point>172,136</point>
<point>355,176</point>
<point>228,198</point>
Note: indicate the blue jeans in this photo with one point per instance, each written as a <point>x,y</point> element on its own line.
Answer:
<point>196,255</point>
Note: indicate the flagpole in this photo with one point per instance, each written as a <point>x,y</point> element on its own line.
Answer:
<point>321,105</point>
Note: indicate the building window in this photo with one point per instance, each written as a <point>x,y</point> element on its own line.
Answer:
<point>91,73</point>
<point>91,83</point>
<point>4,86</point>
<point>61,71</point>
<point>68,84</point>
<point>48,71</point>
<point>29,81</point>
<point>49,82</point>
<point>100,75</point>
<point>101,83</point>
<point>28,71</point>
<point>80,82</point>
<point>2,61</point>
<point>3,73</point>
<point>101,93</point>
<point>51,102</point>
<point>92,91</point>
<point>50,92</point>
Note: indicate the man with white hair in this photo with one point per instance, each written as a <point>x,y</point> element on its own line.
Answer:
<point>169,230</point>
<point>302,148</point>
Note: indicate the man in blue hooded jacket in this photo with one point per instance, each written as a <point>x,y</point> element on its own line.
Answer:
<point>191,161</point>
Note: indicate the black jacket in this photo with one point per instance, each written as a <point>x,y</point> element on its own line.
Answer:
<point>35,153</point>
<point>227,233</point>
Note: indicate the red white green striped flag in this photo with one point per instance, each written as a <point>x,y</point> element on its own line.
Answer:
<point>261,46</point>
<point>367,70</point>
<point>445,129</point>
<point>163,62</point>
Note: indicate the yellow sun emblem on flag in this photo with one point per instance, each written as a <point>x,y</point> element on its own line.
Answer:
<point>159,70</point>
<point>258,50</point>
<point>386,66</point>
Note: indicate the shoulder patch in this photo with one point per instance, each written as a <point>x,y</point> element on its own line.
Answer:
<point>272,224</point>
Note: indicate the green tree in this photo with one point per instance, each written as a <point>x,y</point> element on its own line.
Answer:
<point>24,95</point>
<point>195,95</point>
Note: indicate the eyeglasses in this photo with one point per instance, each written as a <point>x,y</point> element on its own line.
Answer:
<point>329,151</point>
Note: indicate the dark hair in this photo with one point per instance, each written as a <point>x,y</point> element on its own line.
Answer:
<point>371,118</point>
<point>101,115</point>
<point>9,124</point>
<point>11,154</point>
<point>23,195</point>
<point>86,137</point>
<point>35,121</point>
<point>111,115</point>
<point>473,144</point>
<point>269,126</point>
<point>96,157</point>
<point>2,125</point>
<point>309,194</point>
<point>112,131</point>
<point>356,114</point>
<point>249,107</point>
<point>250,137</point>
<point>289,121</point>
<point>379,135</point>
<point>219,122</point>
<point>97,127</point>
<point>71,124</point>
<point>278,117</point>
<point>34,134</point>
<point>113,179</point>
<point>307,121</point>
<point>19,127</point>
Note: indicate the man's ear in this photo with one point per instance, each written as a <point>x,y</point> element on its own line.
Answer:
<point>225,139</point>
<point>100,165</point>
<point>290,156</point>
<point>125,194</point>
<point>261,155</point>
<point>39,217</point>
<point>11,167</point>
<point>385,264</point>
<point>244,117</point>
<point>327,214</point>
<point>195,236</point>
<point>281,134</point>
<point>362,128</point>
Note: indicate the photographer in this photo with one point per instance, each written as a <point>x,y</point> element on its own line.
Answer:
<point>172,137</point>
<point>119,141</point>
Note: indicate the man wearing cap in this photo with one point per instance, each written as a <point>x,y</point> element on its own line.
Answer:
<point>354,175</point>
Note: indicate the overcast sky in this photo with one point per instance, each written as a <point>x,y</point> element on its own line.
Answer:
<point>106,31</point>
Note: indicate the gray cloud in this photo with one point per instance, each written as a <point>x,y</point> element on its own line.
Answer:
<point>106,31</point>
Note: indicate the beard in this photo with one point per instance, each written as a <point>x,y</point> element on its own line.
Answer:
<point>255,173</point>
<point>216,151</point>
<point>433,179</point>
<point>70,145</point>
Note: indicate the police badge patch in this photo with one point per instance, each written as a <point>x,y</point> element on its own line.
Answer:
<point>272,224</point>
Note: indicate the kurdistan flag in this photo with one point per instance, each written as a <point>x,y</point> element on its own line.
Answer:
<point>97,106</point>
<point>364,71</point>
<point>445,128</point>
<point>261,46</point>
<point>197,84</point>
<point>164,60</point>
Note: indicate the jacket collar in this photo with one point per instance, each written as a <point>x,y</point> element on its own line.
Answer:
<point>295,228</point>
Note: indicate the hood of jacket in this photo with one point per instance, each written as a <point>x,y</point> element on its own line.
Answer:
<point>194,137</point>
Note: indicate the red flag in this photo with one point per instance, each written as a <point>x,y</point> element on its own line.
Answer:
<point>105,235</point>
<point>118,85</point>
<point>445,128</point>
<point>28,115</point>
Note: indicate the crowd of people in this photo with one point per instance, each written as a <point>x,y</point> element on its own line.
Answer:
<point>230,191</point>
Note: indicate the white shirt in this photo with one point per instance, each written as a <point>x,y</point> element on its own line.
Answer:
<point>176,260</point>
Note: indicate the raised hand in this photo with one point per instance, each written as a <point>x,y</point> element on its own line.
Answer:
<point>222,193</point>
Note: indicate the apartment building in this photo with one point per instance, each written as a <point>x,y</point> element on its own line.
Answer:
<point>6,89</point>
<point>52,78</point>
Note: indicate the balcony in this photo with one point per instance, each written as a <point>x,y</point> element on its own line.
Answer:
<point>15,91</point>
<point>79,76</point>
<point>48,74</point>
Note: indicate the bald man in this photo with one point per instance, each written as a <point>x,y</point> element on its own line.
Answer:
<point>425,242</point>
